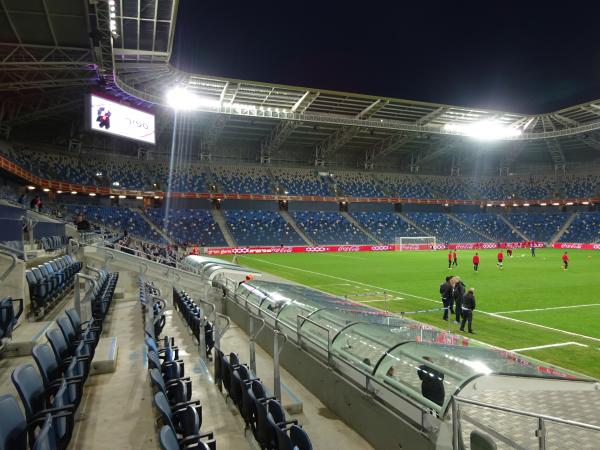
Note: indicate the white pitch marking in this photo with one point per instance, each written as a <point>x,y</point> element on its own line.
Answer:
<point>547,309</point>
<point>561,344</point>
<point>570,333</point>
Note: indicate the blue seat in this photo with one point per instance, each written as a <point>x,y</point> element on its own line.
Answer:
<point>38,402</point>
<point>46,438</point>
<point>186,420</point>
<point>13,427</point>
<point>293,438</point>
<point>168,441</point>
<point>65,356</point>
<point>275,418</point>
<point>8,318</point>
<point>176,391</point>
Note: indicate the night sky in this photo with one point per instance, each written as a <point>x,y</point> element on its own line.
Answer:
<point>525,56</point>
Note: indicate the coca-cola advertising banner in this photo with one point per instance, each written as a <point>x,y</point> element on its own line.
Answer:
<point>299,249</point>
<point>364,248</point>
<point>575,246</point>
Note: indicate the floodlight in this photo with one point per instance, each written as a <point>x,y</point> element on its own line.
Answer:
<point>122,196</point>
<point>585,203</point>
<point>59,192</point>
<point>502,204</point>
<point>181,99</point>
<point>46,190</point>
<point>485,130</point>
<point>73,192</point>
<point>92,194</point>
<point>139,197</point>
<point>555,204</point>
<point>542,204</point>
<point>31,188</point>
<point>569,203</point>
<point>111,197</point>
<point>156,197</point>
<point>489,204</point>
<point>525,204</point>
<point>116,183</point>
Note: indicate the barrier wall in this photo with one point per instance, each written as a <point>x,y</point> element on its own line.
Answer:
<point>576,246</point>
<point>364,248</point>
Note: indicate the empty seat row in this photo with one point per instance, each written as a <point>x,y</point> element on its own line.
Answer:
<point>263,415</point>
<point>51,243</point>
<point>179,417</point>
<point>49,281</point>
<point>192,314</point>
<point>51,394</point>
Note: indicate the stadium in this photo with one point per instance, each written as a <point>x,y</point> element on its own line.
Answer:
<point>190,261</point>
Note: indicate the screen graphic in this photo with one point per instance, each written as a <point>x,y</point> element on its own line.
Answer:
<point>111,117</point>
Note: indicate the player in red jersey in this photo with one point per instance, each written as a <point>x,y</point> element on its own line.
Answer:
<point>500,259</point>
<point>565,260</point>
<point>509,251</point>
<point>449,259</point>
<point>476,262</point>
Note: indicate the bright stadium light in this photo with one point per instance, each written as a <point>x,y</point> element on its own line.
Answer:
<point>585,203</point>
<point>181,99</point>
<point>122,196</point>
<point>569,203</point>
<point>46,190</point>
<point>525,204</point>
<point>489,204</point>
<point>543,204</point>
<point>73,192</point>
<point>31,188</point>
<point>502,204</point>
<point>555,204</point>
<point>59,192</point>
<point>485,130</point>
<point>112,197</point>
<point>92,194</point>
<point>139,197</point>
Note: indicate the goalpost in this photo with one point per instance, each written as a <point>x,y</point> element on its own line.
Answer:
<point>415,243</point>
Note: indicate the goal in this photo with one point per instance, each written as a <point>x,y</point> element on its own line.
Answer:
<point>415,243</point>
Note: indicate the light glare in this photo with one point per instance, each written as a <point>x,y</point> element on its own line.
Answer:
<point>485,130</point>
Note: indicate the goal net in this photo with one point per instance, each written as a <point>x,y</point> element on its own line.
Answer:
<point>415,243</point>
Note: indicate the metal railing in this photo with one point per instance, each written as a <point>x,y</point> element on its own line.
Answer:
<point>540,431</point>
<point>13,264</point>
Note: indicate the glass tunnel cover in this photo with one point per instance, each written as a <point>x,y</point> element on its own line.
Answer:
<point>427,363</point>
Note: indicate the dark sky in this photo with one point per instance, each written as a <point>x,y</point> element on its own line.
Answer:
<point>526,56</point>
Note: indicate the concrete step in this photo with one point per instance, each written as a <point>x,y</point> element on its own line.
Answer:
<point>25,337</point>
<point>119,294</point>
<point>105,356</point>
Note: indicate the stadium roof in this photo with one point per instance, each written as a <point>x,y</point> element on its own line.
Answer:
<point>53,52</point>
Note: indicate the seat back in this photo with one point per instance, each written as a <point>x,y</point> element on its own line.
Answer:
<point>74,318</point>
<point>58,343</point>
<point>46,361</point>
<point>284,442</point>
<point>65,326</point>
<point>30,388</point>
<point>168,438</point>
<point>481,441</point>
<point>13,428</point>
<point>300,439</point>
<point>157,380</point>
<point>164,409</point>
<point>8,318</point>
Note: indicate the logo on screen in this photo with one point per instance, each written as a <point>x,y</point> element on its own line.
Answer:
<point>103,117</point>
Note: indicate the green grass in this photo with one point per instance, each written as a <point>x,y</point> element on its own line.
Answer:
<point>525,283</point>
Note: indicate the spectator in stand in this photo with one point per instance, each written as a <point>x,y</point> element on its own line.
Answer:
<point>81,223</point>
<point>476,262</point>
<point>467,310</point>
<point>565,260</point>
<point>36,203</point>
<point>23,199</point>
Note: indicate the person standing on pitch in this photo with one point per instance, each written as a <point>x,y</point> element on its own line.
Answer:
<point>447,291</point>
<point>454,258</point>
<point>532,249</point>
<point>449,259</point>
<point>476,262</point>
<point>565,260</point>
<point>468,307</point>
<point>500,259</point>
<point>459,293</point>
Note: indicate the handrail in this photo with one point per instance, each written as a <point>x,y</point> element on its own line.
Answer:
<point>300,318</point>
<point>573,423</point>
<point>77,302</point>
<point>13,264</point>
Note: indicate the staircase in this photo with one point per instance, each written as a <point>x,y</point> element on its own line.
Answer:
<point>153,225</point>
<point>564,228</point>
<point>414,225</point>
<point>474,230</point>
<point>292,223</point>
<point>354,222</point>
<point>220,220</point>
<point>512,227</point>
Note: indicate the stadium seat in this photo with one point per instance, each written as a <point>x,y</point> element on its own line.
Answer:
<point>8,317</point>
<point>292,438</point>
<point>185,421</point>
<point>46,438</point>
<point>168,441</point>
<point>38,402</point>
<point>481,441</point>
<point>13,427</point>
<point>275,419</point>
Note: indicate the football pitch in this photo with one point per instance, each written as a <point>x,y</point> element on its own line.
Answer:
<point>531,306</point>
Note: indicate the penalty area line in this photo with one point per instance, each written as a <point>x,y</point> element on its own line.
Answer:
<point>550,308</point>
<point>496,315</point>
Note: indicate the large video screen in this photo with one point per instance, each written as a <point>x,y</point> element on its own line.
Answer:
<point>109,116</point>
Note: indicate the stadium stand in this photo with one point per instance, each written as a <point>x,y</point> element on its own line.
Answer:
<point>255,227</point>
<point>329,228</point>
<point>581,186</point>
<point>124,219</point>
<point>300,182</point>
<point>444,228</point>
<point>538,226</point>
<point>407,186</point>
<point>241,179</point>
<point>188,226</point>
<point>584,228</point>
<point>490,225</point>
<point>357,184</point>
<point>385,226</point>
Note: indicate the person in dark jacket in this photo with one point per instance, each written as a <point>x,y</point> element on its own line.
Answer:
<point>432,382</point>
<point>468,307</point>
<point>446,291</point>
<point>459,293</point>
